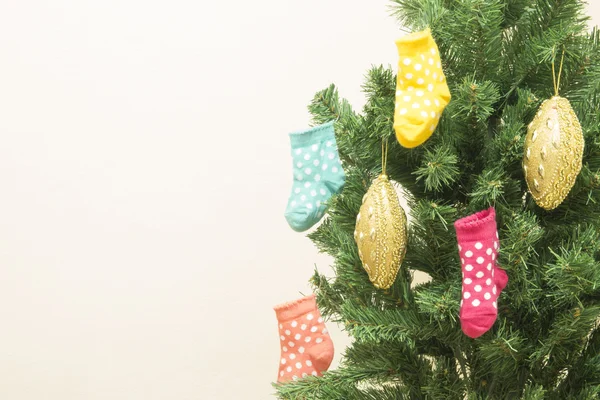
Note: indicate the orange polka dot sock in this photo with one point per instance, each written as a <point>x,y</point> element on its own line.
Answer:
<point>306,348</point>
<point>421,89</point>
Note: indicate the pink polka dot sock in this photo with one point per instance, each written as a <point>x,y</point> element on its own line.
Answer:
<point>483,280</point>
<point>306,348</point>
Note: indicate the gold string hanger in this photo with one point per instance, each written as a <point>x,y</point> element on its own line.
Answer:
<point>555,79</point>
<point>384,154</point>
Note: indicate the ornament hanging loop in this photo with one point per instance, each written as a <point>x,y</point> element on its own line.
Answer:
<point>384,155</point>
<point>556,79</point>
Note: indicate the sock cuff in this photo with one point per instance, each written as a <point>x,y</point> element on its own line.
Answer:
<point>415,43</point>
<point>476,226</point>
<point>296,308</point>
<point>312,135</point>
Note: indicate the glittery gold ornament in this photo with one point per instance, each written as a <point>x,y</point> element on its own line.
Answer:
<point>381,233</point>
<point>553,152</point>
<point>553,149</point>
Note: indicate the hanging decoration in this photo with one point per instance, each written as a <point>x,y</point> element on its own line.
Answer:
<point>381,230</point>
<point>553,150</point>
<point>422,91</point>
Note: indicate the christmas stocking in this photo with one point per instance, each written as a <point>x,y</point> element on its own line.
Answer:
<point>306,348</point>
<point>483,281</point>
<point>421,89</point>
<point>318,174</point>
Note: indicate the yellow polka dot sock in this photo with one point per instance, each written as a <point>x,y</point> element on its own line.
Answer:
<point>421,91</point>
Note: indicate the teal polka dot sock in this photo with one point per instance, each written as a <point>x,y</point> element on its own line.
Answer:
<point>318,174</point>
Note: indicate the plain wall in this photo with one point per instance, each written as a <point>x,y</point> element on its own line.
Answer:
<point>144,170</point>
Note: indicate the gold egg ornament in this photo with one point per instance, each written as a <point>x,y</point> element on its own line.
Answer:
<point>553,150</point>
<point>381,233</point>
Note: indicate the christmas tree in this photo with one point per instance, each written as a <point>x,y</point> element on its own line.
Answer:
<point>498,57</point>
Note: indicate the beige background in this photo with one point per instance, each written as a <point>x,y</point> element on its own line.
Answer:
<point>144,167</point>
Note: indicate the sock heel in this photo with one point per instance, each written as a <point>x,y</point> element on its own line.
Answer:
<point>322,355</point>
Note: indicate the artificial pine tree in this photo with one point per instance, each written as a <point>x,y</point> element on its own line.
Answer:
<point>497,56</point>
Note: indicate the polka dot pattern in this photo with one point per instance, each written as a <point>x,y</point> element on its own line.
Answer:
<point>480,285</point>
<point>318,174</point>
<point>308,349</point>
<point>419,73</point>
<point>477,276</point>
